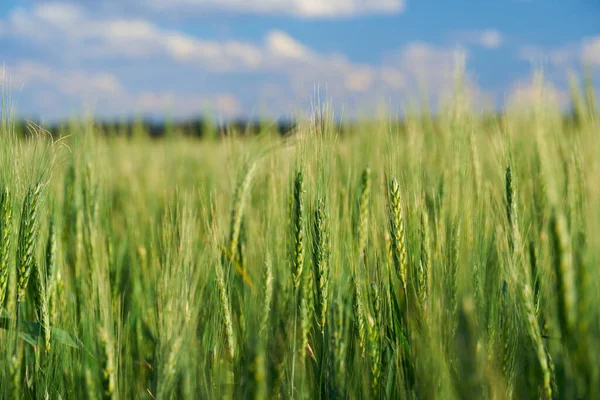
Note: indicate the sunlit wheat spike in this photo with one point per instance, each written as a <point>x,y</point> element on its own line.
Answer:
<point>5,239</point>
<point>41,303</point>
<point>536,336</point>
<point>298,229</point>
<point>109,381</point>
<point>51,257</point>
<point>540,195</point>
<point>454,264</point>
<point>237,209</point>
<point>308,296</point>
<point>226,311</point>
<point>476,165</point>
<point>44,311</point>
<point>27,240</point>
<point>321,262</point>
<point>511,210</point>
<point>364,204</point>
<point>424,262</point>
<point>37,286</point>
<point>306,311</point>
<point>476,286</point>
<point>48,292</point>
<point>375,340</point>
<point>506,336</point>
<point>510,196</point>
<point>59,298</point>
<point>376,302</point>
<point>535,277</point>
<point>590,95</point>
<point>565,276</point>
<point>359,315</point>
<point>267,296</point>
<point>397,232</point>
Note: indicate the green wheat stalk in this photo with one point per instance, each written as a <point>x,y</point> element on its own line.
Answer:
<point>5,236</point>
<point>396,226</point>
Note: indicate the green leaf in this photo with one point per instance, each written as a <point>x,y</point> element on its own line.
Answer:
<point>31,331</point>
<point>28,338</point>
<point>65,338</point>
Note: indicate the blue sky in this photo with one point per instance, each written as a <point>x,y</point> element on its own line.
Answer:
<point>119,58</point>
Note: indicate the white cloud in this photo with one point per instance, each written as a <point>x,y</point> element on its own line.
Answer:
<point>527,93</point>
<point>297,8</point>
<point>72,31</point>
<point>424,64</point>
<point>49,87</point>
<point>559,56</point>
<point>586,51</point>
<point>178,105</point>
<point>59,13</point>
<point>283,45</point>
<point>82,42</point>
<point>557,63</point>
<point>422,57</point>
<point>488,38</point>
<point>491,39</point>
<point>76,83</point>
<point>69,29</point>
<point>423,68</point>
<point>359,79</point>
<point>392,77</point>
<point>591,51</point>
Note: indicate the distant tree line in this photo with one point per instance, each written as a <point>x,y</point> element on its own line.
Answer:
<point>200,128</point>
<point>207,128</point>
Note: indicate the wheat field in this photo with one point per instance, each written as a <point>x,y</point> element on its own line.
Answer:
<point>428,257</point>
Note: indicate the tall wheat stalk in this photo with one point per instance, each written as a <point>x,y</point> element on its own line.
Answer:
<point>26,248</point>
<point>5,240</point>
<point>396,225</point>
<point>297,255</point>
